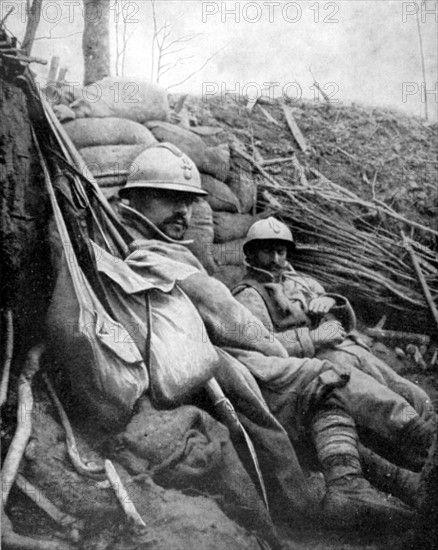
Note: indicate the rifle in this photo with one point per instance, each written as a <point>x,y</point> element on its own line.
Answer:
<point>228,415</point>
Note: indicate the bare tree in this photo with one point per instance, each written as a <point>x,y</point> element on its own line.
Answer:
<point>34,14</point>
<point>121,34</point>
<point>96,40</point>
<point>423,63</point>
<point>167,52</point>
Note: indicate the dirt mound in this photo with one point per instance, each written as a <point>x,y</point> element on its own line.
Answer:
<point>364,149</point>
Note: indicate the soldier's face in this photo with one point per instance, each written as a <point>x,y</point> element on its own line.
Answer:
<point>170,211</point>
<point>271,256</point>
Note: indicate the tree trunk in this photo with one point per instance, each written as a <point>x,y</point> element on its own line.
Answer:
<point>26,278</point>
<point>34,15</point>
<point>96,40</point>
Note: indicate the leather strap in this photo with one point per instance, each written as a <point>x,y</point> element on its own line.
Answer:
<point>274,313</point>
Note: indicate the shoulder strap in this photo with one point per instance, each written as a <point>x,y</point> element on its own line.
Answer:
<point>257,286</point>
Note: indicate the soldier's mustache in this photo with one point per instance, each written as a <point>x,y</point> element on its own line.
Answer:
<point>176,219</point>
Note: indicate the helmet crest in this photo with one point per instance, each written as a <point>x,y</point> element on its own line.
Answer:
<point>269,229</point>
<point>164,166</point>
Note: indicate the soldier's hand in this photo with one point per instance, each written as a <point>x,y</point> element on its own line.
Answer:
<point>328,333</point>
<point>323,304</point>
<point>175,118</point>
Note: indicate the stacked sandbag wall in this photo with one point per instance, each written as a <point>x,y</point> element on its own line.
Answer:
<point>110,133</point>
<point>105,121</point>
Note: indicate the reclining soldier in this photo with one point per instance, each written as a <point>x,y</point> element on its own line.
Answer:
<point>298,312</point>
<point>160,195</point>
<point>304,317</point>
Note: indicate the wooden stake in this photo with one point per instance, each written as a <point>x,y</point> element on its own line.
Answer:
<point>53,70</point>
<point>62,73</point>
<point>267,115</point>
<point>122,495</point>
<point>251,104</point>
<point>296,132</point>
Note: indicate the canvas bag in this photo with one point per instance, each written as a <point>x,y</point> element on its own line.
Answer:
<point>106,370</point>
<point>178,351</point>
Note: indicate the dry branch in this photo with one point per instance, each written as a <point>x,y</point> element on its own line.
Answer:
<point>366,263</point>
<point>89,469</point>
<point>122,495</point>
<point>424,285</point>
<point>24,421</point>
<point>9,349</point>
<point>407,337</point>
<point>38,497</point>
<point>379,206</point>
<point>13,541</point>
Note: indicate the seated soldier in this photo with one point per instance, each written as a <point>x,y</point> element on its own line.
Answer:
<point>303,316</point>
<point>311,393</point>
<point>299,313</point>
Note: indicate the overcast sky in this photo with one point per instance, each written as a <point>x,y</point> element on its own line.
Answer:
<point>365,51</point>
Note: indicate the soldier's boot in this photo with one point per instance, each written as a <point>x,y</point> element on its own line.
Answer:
<point>386,476</point>
<point>416,440</point>
<point>350,500</point>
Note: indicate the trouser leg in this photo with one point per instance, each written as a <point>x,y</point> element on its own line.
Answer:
<point>353,355</point>
<point>388,416</point>
<point>350,500</point>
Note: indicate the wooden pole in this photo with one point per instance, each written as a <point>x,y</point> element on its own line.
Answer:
<point>122,495</point>
<point>53,70</point>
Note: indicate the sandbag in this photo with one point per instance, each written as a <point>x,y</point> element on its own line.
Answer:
<point>217,162</point>
<point>228,227</point>
<point>229,253</point>
<point>186,449</point>
<point>63,113</point>
<point>220,196</point>
<point>189,143</point>
<point>132,99</point>
<point>62,93</point>
<point>242,183</point>
<point>209,160</point>
<point>230,275</point>
<point>113,160</point>
<point>202,232</point>
<point>91,132</point>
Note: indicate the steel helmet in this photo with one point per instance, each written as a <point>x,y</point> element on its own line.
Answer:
<point>164,166</point>
<point>269,229</point>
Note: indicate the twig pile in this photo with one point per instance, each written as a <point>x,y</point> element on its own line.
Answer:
<point>348,253</point>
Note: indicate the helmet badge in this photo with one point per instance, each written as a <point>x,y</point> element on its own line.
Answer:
<point>274,225</point>
<point>187,168</point>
